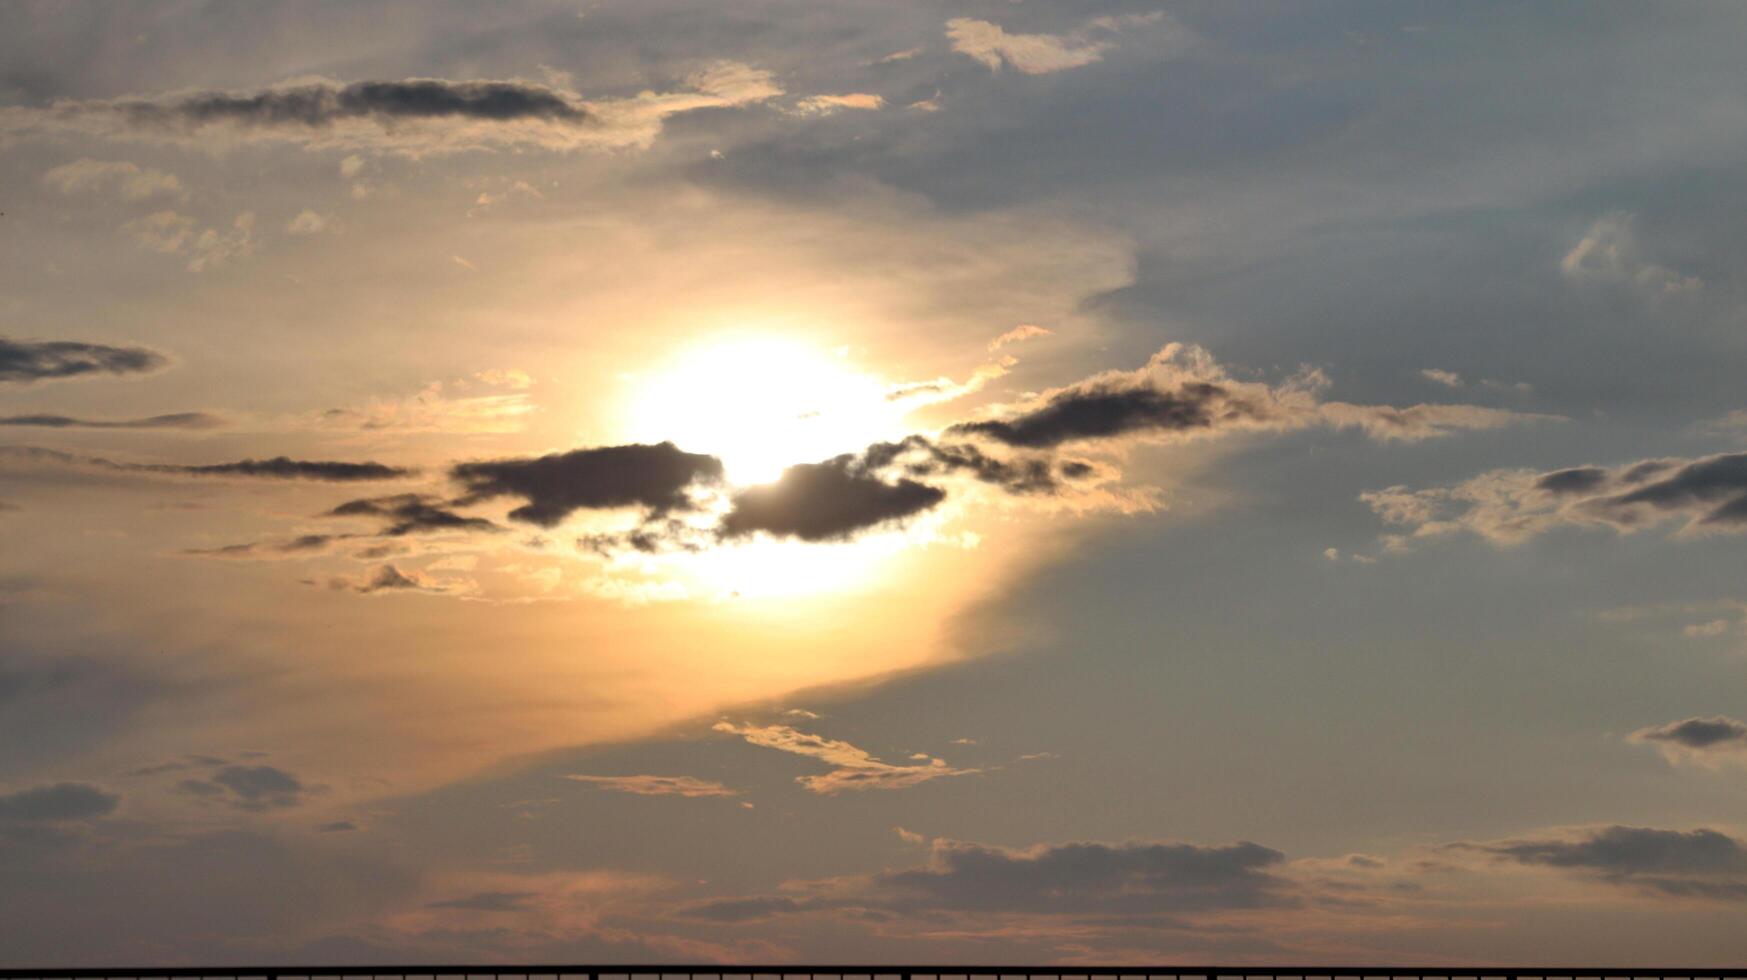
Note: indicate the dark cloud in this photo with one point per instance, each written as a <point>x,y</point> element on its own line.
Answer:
<point>411,513</point>
<point>1090,878</point>
<point>325,103</point>
<point>745,909</point>
<point>176,420</point>
<point>922,457</point>
<point>1708,493</point>
<point>26,361</point>
<point>487,902</point>
<point>1108,410</point>
<point>277,468</point>
<point>58,803</point>
<point>1699,863</point>
<point>285,468</point>
<point>337,827</point>
<point>249,787</point>
<point>303,544</point>
<point>828,501</point>
<point>1578,479</point>
<point>658,478</point>
<point>1715,733</point>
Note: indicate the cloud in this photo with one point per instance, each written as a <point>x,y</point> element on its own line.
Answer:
<point>1183,393</point>
<point>26,361</point>
<point>57,803</point>
<point>177,420</point>
<point>657,478</point>
<point>486,402</point>
<point>125,180</point>
<point>1019,334</point>
<point>829,501</point>
<point>413,116</point>
<point>920,456</point>
<point>487,902</point>
<point>388,578</point>
<point>253,788</point>
<point>411,513</point>
<point>825,105</point>
<point>853,768</point>
<point>173,233</point>
<point>276,468</point>
<point>1145,884</point>
<point>1609,252</point>
<point>1448,379</point>
<point>656,785</point>
<point>1042,54</point>
<point>308,222</point>
<point>303,544</point>
<point>1699,863</point>
<point>1508,506</point>
<point>1703,741</point>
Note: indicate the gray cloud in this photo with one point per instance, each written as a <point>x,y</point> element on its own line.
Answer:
<point>415,115</point>
<point>26,361</point>
<point>1507,506</point>
<point>1699,863</point>
<point>387,578</point>
<point>657,478</point>
<point>829,501</point>
<point>1182,393</point>
<point>656,785</point>
<point>177,420</point>
<point>276,468</point>
<point>487,902</point>
<point>249,788</point>
<point>411,513</point>
<point>1714,734</point>
<point>57,803</point>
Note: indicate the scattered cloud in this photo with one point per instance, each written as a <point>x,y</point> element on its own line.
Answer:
<point>659,478</point>
<point>173,233</point>
<point>412,116</point>
<point>487,402</point>
<point>57,803</point>
<point>27,361</point>
<point>1703,741</point>
<point>656,785</point>
<point>253,788</point>
<point>1041,54</point>
<point>1019,334</point>
<point>826,105</point>
<point>829,501</point>
<point>853,768</point>
<point>308,222</point>
<point>1609,252</point>
<point>118,178</point>
<point>411,513</point>
<point>1701,863</point>
<point>1508,506</point>
<point>1448,379</point>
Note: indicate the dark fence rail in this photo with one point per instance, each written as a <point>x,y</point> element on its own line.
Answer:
<point>843,972</point>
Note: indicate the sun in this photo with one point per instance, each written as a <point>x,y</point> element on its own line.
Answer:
<point>761,404</point>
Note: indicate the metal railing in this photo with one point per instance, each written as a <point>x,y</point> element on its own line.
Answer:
<point>843,972</point>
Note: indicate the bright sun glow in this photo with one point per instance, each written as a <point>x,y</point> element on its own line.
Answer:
<point>761,405</point>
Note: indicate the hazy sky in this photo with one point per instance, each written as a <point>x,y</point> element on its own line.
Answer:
<point>994,481</point>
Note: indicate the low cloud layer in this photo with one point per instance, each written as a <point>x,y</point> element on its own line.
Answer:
<point>1699,863</point>
<point>175,420</point>
<point>1508,506</point>
<point>25,361</point>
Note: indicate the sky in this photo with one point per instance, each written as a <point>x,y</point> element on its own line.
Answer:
<point>963,481</point>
